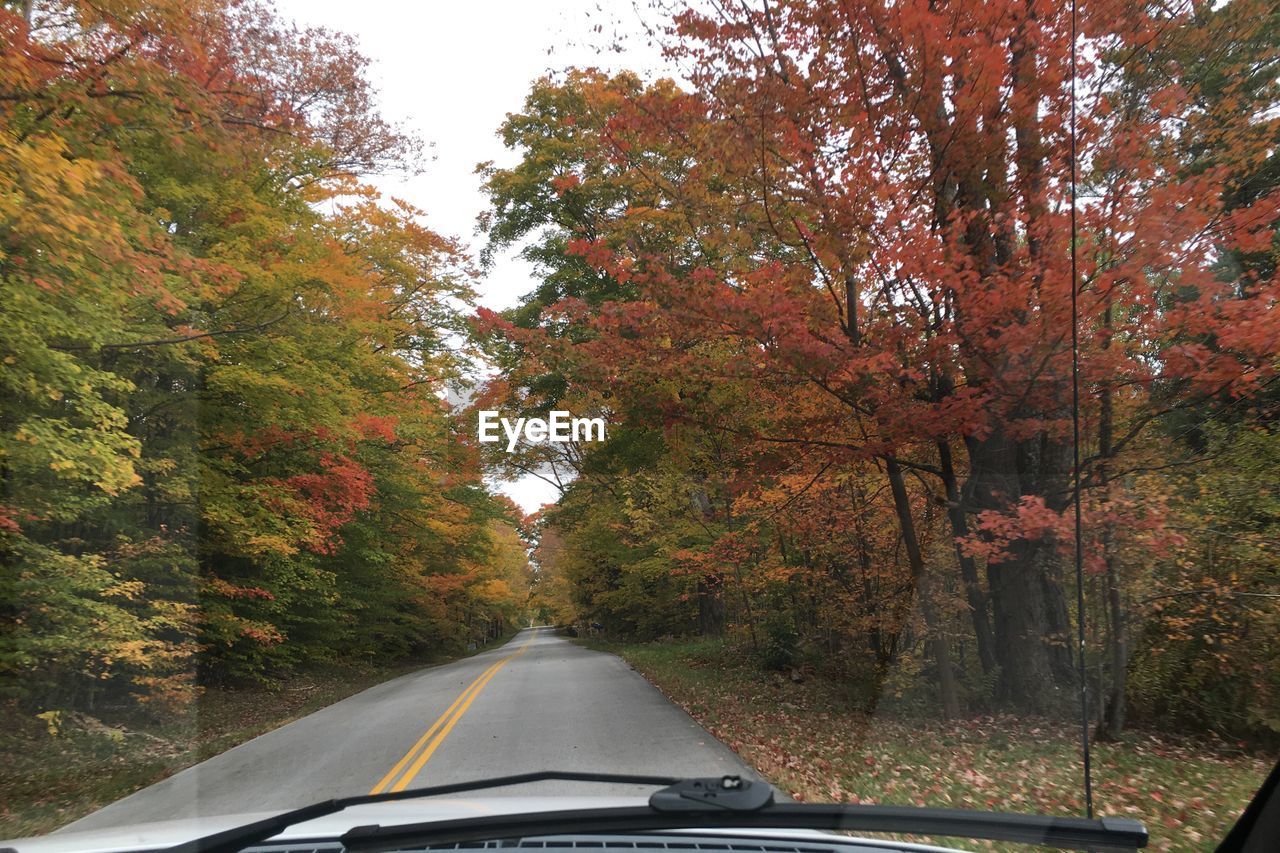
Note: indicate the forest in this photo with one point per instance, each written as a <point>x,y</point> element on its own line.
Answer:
<point>225,449</point>
<point>820,288</point>
<point>823,288</point>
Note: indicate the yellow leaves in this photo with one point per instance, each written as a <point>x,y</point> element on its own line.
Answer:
<point>136,653</point>
<point>42,190</point>
<point>128,590</point>
<point>119,479</point>
<point>262,544</point>
<point>493,592</point>
<point>52,721</point>
<point>123,228</point>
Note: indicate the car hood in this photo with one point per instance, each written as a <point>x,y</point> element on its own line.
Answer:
<point>156,836</point>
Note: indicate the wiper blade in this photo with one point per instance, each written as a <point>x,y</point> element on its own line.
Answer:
<point>731,803</point>
<point>723,803</point>
<point>237,838</point>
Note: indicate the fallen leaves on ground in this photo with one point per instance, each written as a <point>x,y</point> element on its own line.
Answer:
<point>809,743</point>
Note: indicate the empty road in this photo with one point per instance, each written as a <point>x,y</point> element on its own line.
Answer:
<point>537,703</point>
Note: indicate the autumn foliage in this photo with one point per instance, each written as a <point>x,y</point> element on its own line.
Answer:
<point>821,288</point>
<point>223,447</point>
<point>824,292</point>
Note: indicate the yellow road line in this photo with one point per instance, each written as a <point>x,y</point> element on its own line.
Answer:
<point>408,756</point>
<point>443,725</point>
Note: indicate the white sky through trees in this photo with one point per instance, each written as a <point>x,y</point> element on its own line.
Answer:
<point>450,71</point>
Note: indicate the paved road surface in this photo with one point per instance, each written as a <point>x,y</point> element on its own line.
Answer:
<point>537,703</point>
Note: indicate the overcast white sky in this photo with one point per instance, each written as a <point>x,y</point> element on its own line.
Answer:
<point>451,70</point>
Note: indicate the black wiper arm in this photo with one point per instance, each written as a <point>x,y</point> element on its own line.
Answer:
<point>727,802</point>
<point>731,803</point>
<point>237,838</point>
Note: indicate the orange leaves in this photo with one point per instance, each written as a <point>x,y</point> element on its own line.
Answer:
<point>260,633</point>
<point>228,590</point>
<point>381,427</point>
<point>222,354</point>
<point>563,183</point>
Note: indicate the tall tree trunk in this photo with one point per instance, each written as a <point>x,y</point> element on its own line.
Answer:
<point>924,589</point>
<point>1031,624</point>
<point>1112,723</point>
<point>710,607</point>
<point>1028,628</point>
<point>874,636</point>
<point>1114,716</point>
<point>974,592</point>
<point>1117,640</point>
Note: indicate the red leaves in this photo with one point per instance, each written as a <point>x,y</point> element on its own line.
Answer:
<point>331,487</point>
<point>1029,519</point>
<point>595,252</point>
<point>278,439</point>
<point>489,322</point>
<point>331,497</point>
<point>8,524</point>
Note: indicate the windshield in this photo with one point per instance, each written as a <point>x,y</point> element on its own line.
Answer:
<point>873,399</point>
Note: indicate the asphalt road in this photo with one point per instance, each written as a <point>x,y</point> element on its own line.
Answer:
<point>537,703</point>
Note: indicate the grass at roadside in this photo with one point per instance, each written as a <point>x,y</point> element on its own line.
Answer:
<point>47,781</point>
<point>805,738</point>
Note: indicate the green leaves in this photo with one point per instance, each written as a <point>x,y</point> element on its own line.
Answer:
<point>222,445</point>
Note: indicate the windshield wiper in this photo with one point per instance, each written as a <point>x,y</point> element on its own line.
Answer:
<point>722,802</point>
<point>237,838</point>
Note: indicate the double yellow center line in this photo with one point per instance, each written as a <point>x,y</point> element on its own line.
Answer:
<point>398,778</point>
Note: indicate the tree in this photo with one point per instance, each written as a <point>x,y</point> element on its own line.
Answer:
<point>872,201</point>
<point>223,452</point>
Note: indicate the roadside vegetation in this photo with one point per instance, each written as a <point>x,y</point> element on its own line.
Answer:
<point>61,766</point>
<point>229,490</point>
<point>813,741</point>
<point>224,455</point>
<point>834,343</point>
<point>823,293</point>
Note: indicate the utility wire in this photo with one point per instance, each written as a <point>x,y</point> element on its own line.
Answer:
<point>1075,446</point>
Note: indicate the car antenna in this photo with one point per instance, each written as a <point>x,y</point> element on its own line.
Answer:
<point>1075,446</point>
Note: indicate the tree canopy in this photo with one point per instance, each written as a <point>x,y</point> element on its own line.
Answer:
<point>824,291</point>
<point>224,445</point>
